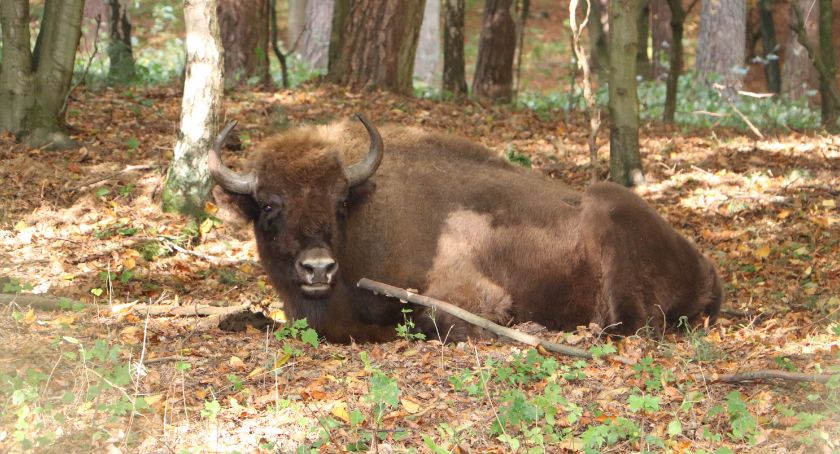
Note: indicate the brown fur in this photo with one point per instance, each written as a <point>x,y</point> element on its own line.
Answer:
<point>446,217</point>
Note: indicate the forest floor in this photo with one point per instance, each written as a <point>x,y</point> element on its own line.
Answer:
<point>85,225</point>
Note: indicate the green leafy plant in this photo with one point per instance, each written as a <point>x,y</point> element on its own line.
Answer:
<point>404,330</point>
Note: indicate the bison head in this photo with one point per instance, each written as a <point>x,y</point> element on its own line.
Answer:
<point>296,197</point>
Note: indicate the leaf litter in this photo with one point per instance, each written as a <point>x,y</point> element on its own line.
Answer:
<point>765,211</point>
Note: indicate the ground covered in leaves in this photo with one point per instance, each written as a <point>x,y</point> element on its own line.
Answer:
<point>144,366</point>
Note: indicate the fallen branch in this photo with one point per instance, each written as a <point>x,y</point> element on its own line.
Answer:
<point>41,302</point>
<point>100,179</point>
<point>404,295</point>
<point>768,374</point>
<point>218,261</point>
<point>54,303</point>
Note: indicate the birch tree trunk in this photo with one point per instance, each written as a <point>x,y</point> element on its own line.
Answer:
<point>454,79</point>
<point>188,179</point>
<point>625,161</point>
<point>35,85</point>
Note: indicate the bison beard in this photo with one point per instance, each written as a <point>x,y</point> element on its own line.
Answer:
<point>331,204</point>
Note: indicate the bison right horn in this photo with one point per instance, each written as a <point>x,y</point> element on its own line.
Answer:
<point>358,173</point>
<point>225,177</point>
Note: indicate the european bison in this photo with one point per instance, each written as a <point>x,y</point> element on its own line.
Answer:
<point>447,217</point>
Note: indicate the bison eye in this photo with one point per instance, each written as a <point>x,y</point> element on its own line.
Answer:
<point>267,208</point>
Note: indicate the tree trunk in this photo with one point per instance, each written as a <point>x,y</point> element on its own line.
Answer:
<point>769,46</point>
<point>643,28</point>
<point>35,85</point>
<point>244,26</point>
<point>314,46</point>
<point>188,179</point>
<point>377,44</point>
<point>296,22</point>
<point>721,42</point>
<point>598,53</point>
<point>798,74</point>
<point>454,79</point>
<point>678,15</point>
<point>829,104</point>
<point>496,47</point>
<point>121,66</point>
<point>522,7</point>
<point>625,161</point>
<point>340,10</point>
<point>661,36</point>
<point>16,76</point>
<point>427,65</point>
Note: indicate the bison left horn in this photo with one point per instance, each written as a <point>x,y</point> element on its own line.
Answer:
<point>225,177</point>
<point>358,173</point>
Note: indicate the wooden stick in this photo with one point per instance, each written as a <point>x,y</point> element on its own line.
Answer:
<point>404,295</point>
<point>767,374</point>
<point>54,303</point>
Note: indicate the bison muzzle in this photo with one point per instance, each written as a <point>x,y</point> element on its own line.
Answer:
<point>447,217</point>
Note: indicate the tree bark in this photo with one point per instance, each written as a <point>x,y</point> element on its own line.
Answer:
<point>35,85</point>
<point>721,43</point>
<point>314,46</point>
<point>244,28</point>
<point>340,10</point>
<point>829,104</point>
<point>16,76</point>
<point>496,47</point>
<point>377,44</point>
<point>625,161</point>
<point>769,47</point>
<point>678,15</point>
<point>296,21</point>
<point>643,28</point>
<point>598,54</point>
<point>188,179</point>
<point>661,36</point>
<point>798,74</point>
<point>427,65</point>
<point>454,79</point>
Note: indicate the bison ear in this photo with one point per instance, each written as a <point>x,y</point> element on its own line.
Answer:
<point>238,206</point>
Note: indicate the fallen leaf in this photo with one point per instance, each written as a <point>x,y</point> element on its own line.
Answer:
<point>339,410</point>
<point>236,362</point>
<point>410,405</point>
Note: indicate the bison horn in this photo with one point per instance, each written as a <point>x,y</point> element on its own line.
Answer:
<point>225,177</point>
<point>358,173</point>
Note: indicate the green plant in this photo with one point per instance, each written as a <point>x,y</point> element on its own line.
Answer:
<point>741,422</point>
<point>298,330</point>
<point>516,157</point>
<point>404,329</point>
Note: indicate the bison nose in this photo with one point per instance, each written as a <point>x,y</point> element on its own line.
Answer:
<point>317,267</point>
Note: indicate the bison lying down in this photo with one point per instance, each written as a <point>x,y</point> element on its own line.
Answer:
<point>447,217</point>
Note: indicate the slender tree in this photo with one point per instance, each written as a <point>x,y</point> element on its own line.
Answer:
<point>678,15</point>
<point>598,53</point>
<point>188,179</point>
<point>120,55</point>
<point>768,43</point>
<point>643,66</point>
<point>661,37</point>
<point>244,28</point>
<point>34,85</point>
<point>496,47</point>
<point>625,160</point>
<point>377,43</point>
<point>454,79</point>
<point>296,21</point>
<point>721,44</point>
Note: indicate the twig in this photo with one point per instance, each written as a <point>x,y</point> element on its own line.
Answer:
<point>208,258</point>
<point>127,169</point>
<point>768,374</point>
<point>404,295</point>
